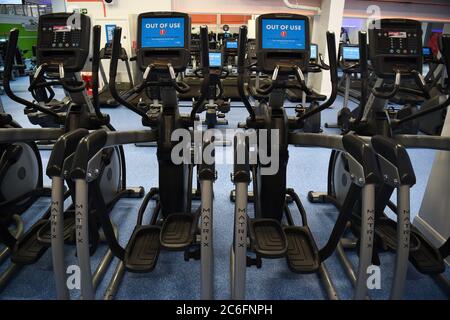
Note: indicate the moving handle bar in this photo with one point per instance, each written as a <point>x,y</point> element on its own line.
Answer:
<point>204,56</point>
<point>331,44</point>
<point>115,56</point>
<point>364,71</point>
<point>9,60</point>
<point>242,43</point>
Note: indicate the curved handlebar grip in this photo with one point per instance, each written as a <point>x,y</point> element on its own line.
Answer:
<point>10,53</point>
<point>332,58</point>
<point>97,32</point>
<point>77,86</point>
<point>204,47</point>
<point>394,90</point>
<point>115,54</point>
<point>242,43</point>
<point>9,61</point>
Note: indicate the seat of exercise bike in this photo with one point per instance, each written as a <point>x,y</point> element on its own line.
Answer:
<point>142,251</point>
<point>267,238</point>
<point>28,249</point>
<point>44,235</point>
<point>302,253</point>
<point>178,231</point>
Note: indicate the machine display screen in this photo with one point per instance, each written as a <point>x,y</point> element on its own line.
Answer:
<point>62,28</point>
<point>215,59</point>
<point>313,52</point>
<point>232,44</point>
<point>350,53</point>
<point>110,32</point>
<point>426,51</point>
<point>284,34</point>
<point>162,33</point>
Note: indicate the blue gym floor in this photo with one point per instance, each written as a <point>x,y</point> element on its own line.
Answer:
<point>175,279</point>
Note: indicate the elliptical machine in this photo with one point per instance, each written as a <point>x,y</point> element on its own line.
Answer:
<point>63,49</point>
<point>174,226</point>
<point>395,52</point>
<point>266,235</point>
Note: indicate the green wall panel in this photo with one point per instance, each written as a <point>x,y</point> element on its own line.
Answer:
<point>27,39</point>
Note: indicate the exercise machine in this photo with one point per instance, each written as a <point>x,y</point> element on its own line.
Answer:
<point>266,235</point>
<point>174,226</point>
<point>396,53</point>
<point>58,225</point>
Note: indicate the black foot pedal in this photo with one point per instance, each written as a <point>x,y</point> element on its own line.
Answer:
<point>267,238</point>
<point>386,230</point>
<point>426,259</point>
<point>44,235</point>
<point>28,249</point>
<point>137,192</point>
<point>302,253</point>
<point>177,232</point>
<point>143,248</point>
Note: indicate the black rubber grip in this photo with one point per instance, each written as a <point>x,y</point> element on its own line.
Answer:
<point>97,32</point>
<point>10,53</point>
<point>242,43</point>
<point>332,58</point>
<point>115,54</point>
<point>204,47</point>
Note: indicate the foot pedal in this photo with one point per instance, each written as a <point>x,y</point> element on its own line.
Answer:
<point>386,230</point>
<point>28,249</point>
<point>267,238</point>
<point>44,235</point>
<point>177,232</point>
<point>426,259</point>
<point>137,192</point>
<point>302,253</point>
<point>143,248</point>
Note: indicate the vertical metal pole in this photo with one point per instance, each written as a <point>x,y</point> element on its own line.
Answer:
<point>403,234</point>
<point>366,241</point>
<point>239,254</point>
<point>207,250</point>
<point>57,238</point>
<point>82,238</point>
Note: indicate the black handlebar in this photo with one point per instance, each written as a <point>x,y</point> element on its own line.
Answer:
<point>331,45</point>
<point>9,61</point>
<point>393,91</point>
<point>115,55</point>
<point>97,33</point>
<point>204,60</point>
<point>364,71</point>
<point>242,44</point>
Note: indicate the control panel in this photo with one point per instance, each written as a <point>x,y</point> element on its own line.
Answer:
<point>282,40</point>
<point>396,45</point>
<point>63,38</point>
<point>163,38</point>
